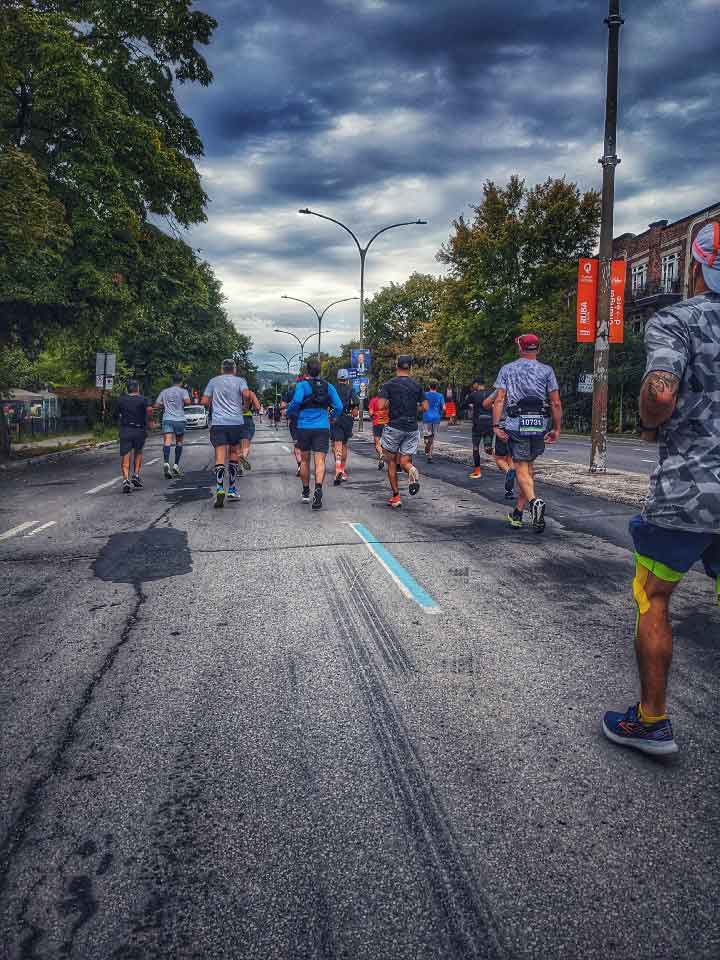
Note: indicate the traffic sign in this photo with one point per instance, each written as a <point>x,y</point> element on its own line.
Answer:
<point>104,364</point>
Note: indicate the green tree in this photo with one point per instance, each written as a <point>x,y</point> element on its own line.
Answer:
<point>521,248</point>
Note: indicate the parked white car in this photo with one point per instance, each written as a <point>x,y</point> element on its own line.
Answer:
<point>196,417</point>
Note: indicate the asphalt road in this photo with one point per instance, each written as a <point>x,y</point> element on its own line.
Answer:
<point>238,734</point>
<point>632,455</point>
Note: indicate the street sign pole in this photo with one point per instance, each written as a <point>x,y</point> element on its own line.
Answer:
<point>610,159</point>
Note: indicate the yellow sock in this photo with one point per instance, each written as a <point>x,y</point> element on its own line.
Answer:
<point>648,718</point>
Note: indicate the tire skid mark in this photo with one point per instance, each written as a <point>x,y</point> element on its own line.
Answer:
<point>465,916</point>
<point>389,645</point>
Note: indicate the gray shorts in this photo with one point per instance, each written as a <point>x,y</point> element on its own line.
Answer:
<point>430,429</point>
<point>525,448</point>
<point>400,441</point>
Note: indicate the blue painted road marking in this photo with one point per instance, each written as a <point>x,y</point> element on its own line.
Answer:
<point>409,587</point>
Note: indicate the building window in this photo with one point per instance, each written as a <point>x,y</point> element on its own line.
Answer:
<point>637,323</point>
<point>638,276</point>
<point>670,268</point>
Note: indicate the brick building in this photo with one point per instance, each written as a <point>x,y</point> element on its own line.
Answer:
<point>658,269</point>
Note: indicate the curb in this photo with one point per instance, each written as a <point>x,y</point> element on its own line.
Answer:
<point>49,457</point>
<point>617,486</point>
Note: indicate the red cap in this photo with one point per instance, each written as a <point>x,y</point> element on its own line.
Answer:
<point>528,341</point>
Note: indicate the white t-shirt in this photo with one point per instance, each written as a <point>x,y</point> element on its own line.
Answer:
<point>227,402</point>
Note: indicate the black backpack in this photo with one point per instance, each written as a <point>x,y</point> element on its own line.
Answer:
<point>346,395</point>
<point>319,396</point>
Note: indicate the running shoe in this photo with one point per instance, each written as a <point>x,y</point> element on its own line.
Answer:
<point>317,499</point>
<point>136,481</point>
<point>167,471</point>
<point>345,476</point>
<point>429,459</point>
<point>537,512</point>
<point>381,464</point>
<point>245,463</point>
<point>509,484</point>
<point>395,501</point>
<point>414,480</point>
<point>338,480</point>
<point>306,495</point>
<point>476,474</point>
<point>629,730</point>
<point>232,494</point>
<point>127,486</point>
<point>219,497</point>
<point>515,519</point>
<point>177,472</point>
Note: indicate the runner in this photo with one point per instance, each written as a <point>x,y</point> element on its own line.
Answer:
<point>133,411</point>
<point>292,424</point>
<point>311,400</point>
<point>431,417</point>
<point>342,428</point>
<point>379,419</point>
<point>229,395</point>
<point>401,397</point>
<point>680,523</point>
<point>450,407</point>
<point>523,389</point>
<point>481,401</point>
<point>173,400</point>
<point>253,405</point>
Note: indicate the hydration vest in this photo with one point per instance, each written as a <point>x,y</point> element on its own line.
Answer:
<point>319,396</point>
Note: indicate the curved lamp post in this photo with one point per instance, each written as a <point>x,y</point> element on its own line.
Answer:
<point>318,313</point>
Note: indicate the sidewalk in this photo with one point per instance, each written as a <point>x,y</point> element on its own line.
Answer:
<point>52,443</point>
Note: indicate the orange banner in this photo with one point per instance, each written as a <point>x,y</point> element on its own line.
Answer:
<point>617,301</point>
<point>587,299</point>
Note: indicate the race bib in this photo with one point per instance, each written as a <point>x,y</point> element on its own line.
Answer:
<point>531,424</point>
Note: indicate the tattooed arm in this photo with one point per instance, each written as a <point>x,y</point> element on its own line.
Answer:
<point>658,397</point>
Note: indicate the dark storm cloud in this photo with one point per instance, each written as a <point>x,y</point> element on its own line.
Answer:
<point>373,108</point>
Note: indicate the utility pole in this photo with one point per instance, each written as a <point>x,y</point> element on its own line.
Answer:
<point>610,159</point>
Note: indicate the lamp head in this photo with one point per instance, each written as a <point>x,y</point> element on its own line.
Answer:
<point>421,221</point>
<point>306,210</point>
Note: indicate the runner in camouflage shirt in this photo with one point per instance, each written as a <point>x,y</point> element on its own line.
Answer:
<point>680,525</point>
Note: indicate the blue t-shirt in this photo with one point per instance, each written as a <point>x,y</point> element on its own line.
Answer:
<point>312,418</point>
<point>436,402</point>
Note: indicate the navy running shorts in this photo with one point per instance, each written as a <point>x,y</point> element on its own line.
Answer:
<point>228,435</point>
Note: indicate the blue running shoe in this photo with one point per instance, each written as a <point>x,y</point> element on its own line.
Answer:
<point>628,730</point>
<point>232,494</point>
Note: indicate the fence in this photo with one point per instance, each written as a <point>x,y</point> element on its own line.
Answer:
<point>39,426</point>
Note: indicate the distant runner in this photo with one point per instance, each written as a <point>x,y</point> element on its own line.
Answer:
<point>450,407</point>
<point>379,419</point>
<point>524,388</point>
<point>310,404</point>
<point>402,397</point>
<point>680,523</point>
<point>292,424</point>
<point>173,400</point>
<point>229,395</point>
<point>481,400</point>
<point>342,428</point>
<point>133,411</point>
<point>431,417</point>
<point>252,407</point>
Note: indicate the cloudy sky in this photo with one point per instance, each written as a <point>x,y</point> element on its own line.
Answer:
<point>374,111</point>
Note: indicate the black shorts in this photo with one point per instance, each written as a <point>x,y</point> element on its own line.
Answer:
<point>316,440</point>
<point>378,429</point>
<point>292,427</point>
<point>342,428</point>
<point>250,427</point>
<point>132,438</point>
<point>486,439</point>
<point>501,448</point>
<point>230,435</point>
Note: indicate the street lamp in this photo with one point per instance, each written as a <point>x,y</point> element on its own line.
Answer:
<point>287,361</point>
<point>319,316</point>
<point>363,253</point>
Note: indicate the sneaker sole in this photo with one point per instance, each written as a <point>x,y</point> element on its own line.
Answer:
<point>414,484</point>
<point>644,746</point>
<point>246,465</point>
<point>538,518</point>
<point>474,476</point>
<point>219,501</point>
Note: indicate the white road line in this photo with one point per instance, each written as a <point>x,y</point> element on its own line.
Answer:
<point>647,461</point>
<point>151,462</point>
<point>44,526</point>
<point>101,486</point>
<point>18,529</point>
<point>286,449</point>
